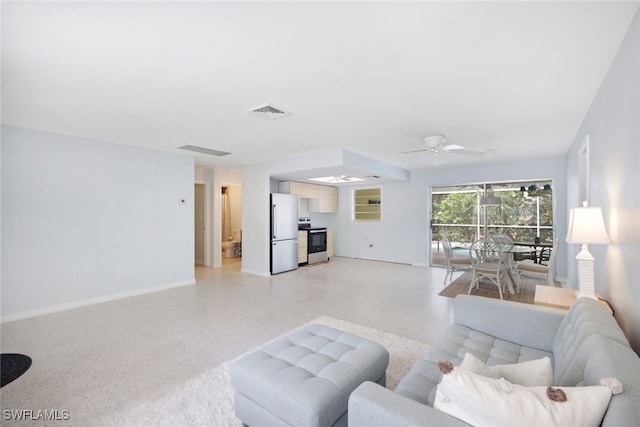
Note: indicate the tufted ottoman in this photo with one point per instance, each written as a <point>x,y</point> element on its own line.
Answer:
<point>305,378</point>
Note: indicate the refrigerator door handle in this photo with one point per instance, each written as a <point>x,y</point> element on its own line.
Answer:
<point>273,222</point>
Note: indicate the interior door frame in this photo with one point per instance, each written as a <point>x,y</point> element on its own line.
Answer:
<point>207,221</point>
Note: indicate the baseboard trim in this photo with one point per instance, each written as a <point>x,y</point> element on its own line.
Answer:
<point>420,264</point>
<point>90,301</point>
<point>255,272</point>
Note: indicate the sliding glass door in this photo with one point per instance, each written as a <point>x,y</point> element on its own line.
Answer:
<point>523,210</point>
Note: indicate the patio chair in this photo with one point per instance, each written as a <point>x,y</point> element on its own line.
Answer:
<point>531,269</point>
<point>454,262</point>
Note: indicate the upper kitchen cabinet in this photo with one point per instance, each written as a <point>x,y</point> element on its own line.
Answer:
<point>322,198</point>
<point>302,189</point>
<point>327,201</point>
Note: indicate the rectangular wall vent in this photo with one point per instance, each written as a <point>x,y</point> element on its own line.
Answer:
<point>204,150</point>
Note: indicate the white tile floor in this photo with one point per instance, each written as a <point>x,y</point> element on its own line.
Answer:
<point>92,360</point>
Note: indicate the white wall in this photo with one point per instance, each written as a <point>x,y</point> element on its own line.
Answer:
<point>613,126</point>
<point>85,221</point>
<point>404,236</point>
<point>256,187</point>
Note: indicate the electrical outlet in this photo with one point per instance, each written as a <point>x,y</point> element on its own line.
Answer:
<point>76,275</point>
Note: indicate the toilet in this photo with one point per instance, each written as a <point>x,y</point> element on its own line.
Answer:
<point>233,248</point>
<point>230,249</point>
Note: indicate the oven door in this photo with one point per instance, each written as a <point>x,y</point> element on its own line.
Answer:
<point>317,241</point>
<point>317,245</point>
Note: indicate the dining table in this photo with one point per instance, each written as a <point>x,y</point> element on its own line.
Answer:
<point>510,260</point>
<point>534,246</point>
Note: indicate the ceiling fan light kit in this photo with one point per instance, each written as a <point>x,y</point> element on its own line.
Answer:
<point>337,179</point>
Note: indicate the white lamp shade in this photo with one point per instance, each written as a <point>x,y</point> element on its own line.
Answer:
<point>587,226</point>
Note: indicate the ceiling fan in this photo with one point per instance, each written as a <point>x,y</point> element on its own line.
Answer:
<point>435,146</point>
<point>337,179</point>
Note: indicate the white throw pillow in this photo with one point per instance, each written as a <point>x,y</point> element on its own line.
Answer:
<point>483,401</point>
<point>531,373</point>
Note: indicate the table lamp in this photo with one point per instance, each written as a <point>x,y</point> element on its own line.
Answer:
<point>586,226</point>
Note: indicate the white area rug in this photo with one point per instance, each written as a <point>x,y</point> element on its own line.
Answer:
<point>207,400</point>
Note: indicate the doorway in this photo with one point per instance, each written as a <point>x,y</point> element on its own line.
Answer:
<point>200,229</point>
<point>231,223</point>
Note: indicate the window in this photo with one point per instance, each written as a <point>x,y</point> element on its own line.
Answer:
<point>526,213</point>
<point>366,204</point>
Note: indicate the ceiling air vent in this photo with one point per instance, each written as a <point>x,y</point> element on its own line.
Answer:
<point>204,150</point>
<point>269,112</point>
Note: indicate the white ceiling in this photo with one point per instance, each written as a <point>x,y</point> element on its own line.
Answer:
<point>372,78</point>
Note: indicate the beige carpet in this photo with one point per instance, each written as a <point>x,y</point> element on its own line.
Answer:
<point>207,400</point>
<point>489,290</point>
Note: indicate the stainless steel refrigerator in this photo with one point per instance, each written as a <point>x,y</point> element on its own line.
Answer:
<point>284,232</point>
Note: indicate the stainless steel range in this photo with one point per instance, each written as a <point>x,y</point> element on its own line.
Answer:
<point>316,241</point>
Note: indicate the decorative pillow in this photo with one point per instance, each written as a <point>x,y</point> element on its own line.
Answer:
<point>482,401</point>
<point>531,373</point>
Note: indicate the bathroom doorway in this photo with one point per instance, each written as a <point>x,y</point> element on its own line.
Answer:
<point>231,223</point>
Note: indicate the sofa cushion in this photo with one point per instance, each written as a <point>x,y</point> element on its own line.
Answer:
<point>455,341</point>
<point>482,401</point>
<point>614,360</point>
<point>576,339</point>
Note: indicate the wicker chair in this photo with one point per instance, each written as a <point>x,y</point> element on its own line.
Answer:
<point>454,263</point>
<point>531,269</point>
<point>488,262</point>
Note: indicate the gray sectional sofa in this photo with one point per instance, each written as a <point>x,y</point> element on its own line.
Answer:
<point>585,344</point>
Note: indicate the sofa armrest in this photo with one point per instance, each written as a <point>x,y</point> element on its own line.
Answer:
<point>371,405</point>
<point>525,324</point>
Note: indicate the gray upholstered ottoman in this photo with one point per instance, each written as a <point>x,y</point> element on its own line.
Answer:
<point>305,378</point>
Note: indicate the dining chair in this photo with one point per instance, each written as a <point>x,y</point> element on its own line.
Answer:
<point>505,242</point>
<point>454,262</point>
<point>488,262</point>
<point>531,269</point>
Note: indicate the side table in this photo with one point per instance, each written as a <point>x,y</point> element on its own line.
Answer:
<point>561,298</point>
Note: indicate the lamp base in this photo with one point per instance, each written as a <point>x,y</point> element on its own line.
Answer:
<point>580,294</point>
<point>586,285</point>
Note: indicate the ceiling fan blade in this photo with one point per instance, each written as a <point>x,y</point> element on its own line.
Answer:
<point>424,150</point>
<point>452,147</point>
<point>461,150</point>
